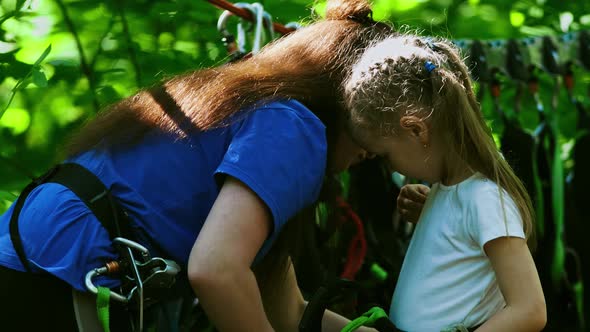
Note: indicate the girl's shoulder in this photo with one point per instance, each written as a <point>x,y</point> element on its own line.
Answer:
<point>478,192</point>
<point>479,185</point>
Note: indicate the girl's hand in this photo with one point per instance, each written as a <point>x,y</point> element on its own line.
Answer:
<point>411,201</point>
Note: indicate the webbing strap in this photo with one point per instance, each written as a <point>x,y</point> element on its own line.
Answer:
<point>367,319</point>
<point>13,227</point>
<point>88,188</point>
<point>102,307</point>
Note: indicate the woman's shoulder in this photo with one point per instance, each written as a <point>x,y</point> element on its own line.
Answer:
<point>289,108</point>
<point>286,121</point>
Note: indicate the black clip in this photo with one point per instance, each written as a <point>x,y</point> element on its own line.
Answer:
<point>479,62</point>
<point>515,62</point>
<point>584,49</point>
<point>550,57</point>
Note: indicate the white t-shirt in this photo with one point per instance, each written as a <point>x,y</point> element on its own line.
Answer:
<point>446,277</point>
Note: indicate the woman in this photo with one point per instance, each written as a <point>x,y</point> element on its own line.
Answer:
<point>209,167</point>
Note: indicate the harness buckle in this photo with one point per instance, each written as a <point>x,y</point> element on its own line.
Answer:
<point>138,272</point>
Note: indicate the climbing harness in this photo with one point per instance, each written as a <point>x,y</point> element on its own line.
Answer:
<point>144,279</point>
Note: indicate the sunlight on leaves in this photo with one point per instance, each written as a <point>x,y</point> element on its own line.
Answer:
<point>565,20</point>
<point>213,51</point>
<point>516,18</point>
<point>6,199</point>
<point>7,47</point>
<point>64,112</point>
<point>62,45</point>
<point>17,120</point>
<point>320,8</point>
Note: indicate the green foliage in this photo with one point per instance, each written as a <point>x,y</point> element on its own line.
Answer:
<point>81,55</point>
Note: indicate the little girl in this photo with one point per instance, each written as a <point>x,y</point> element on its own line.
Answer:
<point>468,266</point>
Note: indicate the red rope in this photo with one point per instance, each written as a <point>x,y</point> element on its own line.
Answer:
<point>245,14</point>
<point>357,249</point>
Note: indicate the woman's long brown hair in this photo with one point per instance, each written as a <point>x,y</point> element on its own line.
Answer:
<point>308,65</point>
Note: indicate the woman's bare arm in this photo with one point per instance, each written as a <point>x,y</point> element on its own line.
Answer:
<point>219,263</point>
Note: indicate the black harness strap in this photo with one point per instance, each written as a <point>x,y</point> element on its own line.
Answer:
<point>88,188</point>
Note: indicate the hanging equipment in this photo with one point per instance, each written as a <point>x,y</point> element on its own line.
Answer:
<point>247,15</point>
<point>517,145</point>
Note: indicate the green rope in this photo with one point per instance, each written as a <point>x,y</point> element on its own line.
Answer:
<point>579,297</point>
<point>558,202</point>
<point>539,197</point>
<point>367,319</point>
<point>102,307</point>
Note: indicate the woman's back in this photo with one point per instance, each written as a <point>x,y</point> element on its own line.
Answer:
<point>168,185</point>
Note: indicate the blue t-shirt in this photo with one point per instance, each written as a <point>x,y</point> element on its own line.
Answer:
<point>168,186</point>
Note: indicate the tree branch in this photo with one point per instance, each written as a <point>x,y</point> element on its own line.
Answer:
<point>129,41</point>
<point>17,166</point>
<point>86,70</point>
<point>99,50</point>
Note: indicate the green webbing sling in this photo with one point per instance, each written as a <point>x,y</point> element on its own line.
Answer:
<point>102,307</point>
<point>558,202</point>
<point>367,319</point>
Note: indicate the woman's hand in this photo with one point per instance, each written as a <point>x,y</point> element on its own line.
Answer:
<point>411,201</point>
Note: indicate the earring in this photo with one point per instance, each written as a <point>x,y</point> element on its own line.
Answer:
<point>425,146</point>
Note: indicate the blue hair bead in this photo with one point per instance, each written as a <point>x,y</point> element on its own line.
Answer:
<point>429,66</point>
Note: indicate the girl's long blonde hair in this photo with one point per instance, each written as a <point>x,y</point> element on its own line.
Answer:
<point>392,79</point>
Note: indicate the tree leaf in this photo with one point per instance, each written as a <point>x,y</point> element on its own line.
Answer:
<point>43,56</point>
<point>8,196</point>
<point>39,78</point>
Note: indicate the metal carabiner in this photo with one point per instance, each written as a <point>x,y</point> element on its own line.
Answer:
<point>235,45</point>
<point>157,274</point>
<point>228,39</point>
<point>126,247</point>
<point>108,269</point>
<point>268,22</point>
<point>293,25</point>
<point>258,12</point>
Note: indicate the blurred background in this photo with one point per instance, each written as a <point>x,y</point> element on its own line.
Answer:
<point>62,61</point>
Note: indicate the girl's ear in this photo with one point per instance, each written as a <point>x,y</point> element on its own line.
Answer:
<point>416,128</point>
